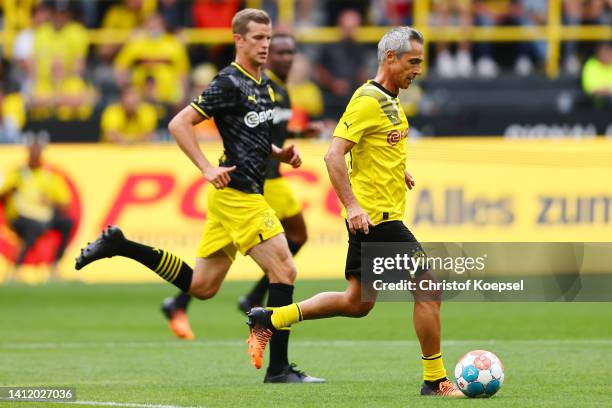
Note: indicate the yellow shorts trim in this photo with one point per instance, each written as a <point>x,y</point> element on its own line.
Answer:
<point>279,195</point>
<point>237,221</point>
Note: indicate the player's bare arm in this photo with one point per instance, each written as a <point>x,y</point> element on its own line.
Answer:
<point>181,128</point>
<point>289,155</point>
<point>357,218</point>
<point>409,180</point>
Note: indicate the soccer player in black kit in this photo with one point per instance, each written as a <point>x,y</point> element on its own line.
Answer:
<point>241,100</point>
<point>277,191</point>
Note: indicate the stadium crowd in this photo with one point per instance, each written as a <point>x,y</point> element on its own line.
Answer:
<point>51,71</point>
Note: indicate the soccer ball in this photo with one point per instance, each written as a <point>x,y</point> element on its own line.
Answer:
<point>479,374</point>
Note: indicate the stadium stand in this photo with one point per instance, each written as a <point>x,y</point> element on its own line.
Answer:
<point>485,57</point>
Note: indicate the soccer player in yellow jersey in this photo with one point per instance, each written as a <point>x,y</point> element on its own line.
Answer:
<point>373,133</point>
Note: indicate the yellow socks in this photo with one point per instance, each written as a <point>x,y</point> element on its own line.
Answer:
<point>285,316</point>
<point>433,367</point>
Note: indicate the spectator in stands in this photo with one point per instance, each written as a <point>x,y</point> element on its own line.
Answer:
<point>126,15</point>
<point>59,55</point>
<point>12,114</point>
<point>304,93</point>
<point>201,76</point>
<point>528,14</point>
<point>158,54</point>
<point>392,12</point>
<point>24,45</point>
<point>597,75</point>
<point>335,8</point>
<point>130,120</point>
<point>16,15</point>
<point>12,107</point>
<point>447,13</point>
<point>305,13</point>
<point>577,12</point>
<point>483,16</point>
<point>341,65</point>
<point>214,13</point>
<point>174,13</point>
<point>36,200</point>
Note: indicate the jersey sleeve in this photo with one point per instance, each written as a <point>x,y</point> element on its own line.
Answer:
<point>357,118</point>
<point>220,95</point>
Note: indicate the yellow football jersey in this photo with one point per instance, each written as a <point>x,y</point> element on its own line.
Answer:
<point>375,122</point>
<point>37,191</point>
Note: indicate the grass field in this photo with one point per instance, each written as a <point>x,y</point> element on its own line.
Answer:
<point>111,343</point>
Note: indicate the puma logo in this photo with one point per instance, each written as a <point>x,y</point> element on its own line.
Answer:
<point>348,125</point>
<point>252,98</point>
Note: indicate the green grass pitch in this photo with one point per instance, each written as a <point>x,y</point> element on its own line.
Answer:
<point>112,344</point>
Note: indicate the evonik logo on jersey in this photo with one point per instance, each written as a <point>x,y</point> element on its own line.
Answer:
<point>253,119</point>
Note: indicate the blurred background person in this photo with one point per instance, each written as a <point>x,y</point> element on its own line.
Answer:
<point>453,13</point>
<point>597,76</point>
<point>528,14</point>
<point>306,96</point>
<point>125,15</point>
<point>582,12</point>
<point>130,120</point>
<point>341,65</point>
<point>35,200</point>
<point>213,14</point>
<point>155,54</point>
<point>25,43</point>
<point>12,107</point>
<point>59,57</point>
<point>392,12</point>
<point>201,76</point>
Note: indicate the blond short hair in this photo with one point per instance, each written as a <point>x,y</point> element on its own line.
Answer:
<point>244,17</point>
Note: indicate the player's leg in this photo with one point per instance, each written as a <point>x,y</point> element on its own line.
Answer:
<point>329,304</point>
<point>208,276</point>
<point>202,283</point>
<point>280,197</point>
<point>274,257</point>
<point>174,310</point>
<point>295,233</point>
<point>426,321</point>
<point>217,248</point>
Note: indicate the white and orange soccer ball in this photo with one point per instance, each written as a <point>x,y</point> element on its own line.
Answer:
<point>479,374</point>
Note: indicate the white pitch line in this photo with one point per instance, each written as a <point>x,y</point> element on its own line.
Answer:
<point>120,404</point>
<point>302,343</point>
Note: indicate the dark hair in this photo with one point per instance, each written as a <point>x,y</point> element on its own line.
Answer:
<point>244,17</point>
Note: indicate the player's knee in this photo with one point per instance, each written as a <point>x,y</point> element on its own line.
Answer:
<point>287,273</point>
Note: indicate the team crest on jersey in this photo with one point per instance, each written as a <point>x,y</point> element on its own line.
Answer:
<point>395,136</point>
<point>268,221</point>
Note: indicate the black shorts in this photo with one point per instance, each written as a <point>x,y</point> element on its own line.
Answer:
<point>390,231</point>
